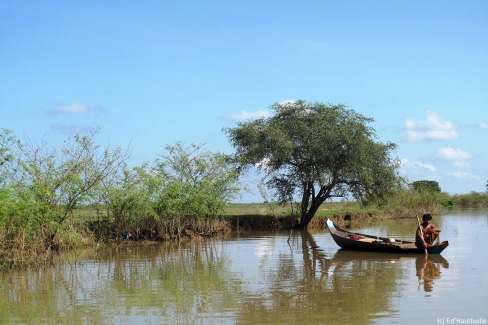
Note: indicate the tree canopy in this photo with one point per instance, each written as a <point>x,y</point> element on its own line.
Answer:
<point>317,151</point>
<point>425,185</point>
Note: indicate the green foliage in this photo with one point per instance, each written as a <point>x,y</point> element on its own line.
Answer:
<point>41,188</point>
<point>182,187</point>
<point>128,197</point>
<point>42,185</point>
<point>473,199</point>
<point>424,185</point>
<point>316,151</point>
<point>409,202</point>
<point>197,185</point>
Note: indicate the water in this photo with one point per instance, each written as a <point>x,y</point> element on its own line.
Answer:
<point>265,278</point>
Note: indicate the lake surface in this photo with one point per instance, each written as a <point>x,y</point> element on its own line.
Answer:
<point>262,278</point>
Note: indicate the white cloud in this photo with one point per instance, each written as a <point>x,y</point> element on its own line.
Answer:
<point>433,127</point>
<point>288,102</point>
<point>74,108</point>
<point>416,165</point>
<point>245,115</point>
<point>461,164</point>
<point>454,154</point>
<point>264,164</point>
<point>465,175</point>
<point>483,125</point>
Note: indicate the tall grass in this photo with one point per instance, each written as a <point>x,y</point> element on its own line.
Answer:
<point>408,203</point>
<point>473,199</point>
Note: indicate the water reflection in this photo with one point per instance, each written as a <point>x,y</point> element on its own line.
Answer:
<point>132,285</point>
<point>428,269</point>
<point>343,287</point>
<point>274,278</point>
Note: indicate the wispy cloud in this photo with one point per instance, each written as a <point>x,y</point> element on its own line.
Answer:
<point>288,102</point>
<point>454,154</point>
<point>72,129</point>
<point>464,175</point>
<point>416,165</point>
<point>245,115</point>
<point>433,127</point>
<point>483,125</point>
<point>461,164</point>
<point>73,109</point>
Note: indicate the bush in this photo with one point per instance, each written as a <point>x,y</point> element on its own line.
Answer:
<point>181,188</point>
<point>40,187</point>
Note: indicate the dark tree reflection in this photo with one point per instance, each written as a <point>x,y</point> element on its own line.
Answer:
<point>343,287</point>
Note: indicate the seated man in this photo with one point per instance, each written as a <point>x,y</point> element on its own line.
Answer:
<point>429,231</point>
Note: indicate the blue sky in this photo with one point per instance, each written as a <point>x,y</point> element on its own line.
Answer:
<point>151,73</point>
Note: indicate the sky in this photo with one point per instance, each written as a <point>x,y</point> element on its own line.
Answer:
<point>153,73</point>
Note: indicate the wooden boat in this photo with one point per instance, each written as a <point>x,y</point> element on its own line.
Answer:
<point>361,242</point>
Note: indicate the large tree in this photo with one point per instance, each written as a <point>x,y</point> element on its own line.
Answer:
<point>317,151</point>
<point>425,185</point>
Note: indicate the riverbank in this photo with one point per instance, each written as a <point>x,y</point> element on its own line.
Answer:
<point>94,229</point>
<point>268,222</point>
<point>108,230</point>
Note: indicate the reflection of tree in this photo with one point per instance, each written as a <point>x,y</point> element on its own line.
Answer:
<point>428,268</point>
<point>195,282</point>
<point>46,295</point>
<point>329,290</point>
<point>179,283</point>
<point>161,284</point>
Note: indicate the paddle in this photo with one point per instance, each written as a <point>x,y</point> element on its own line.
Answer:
<point>422,235</point>
<point>438,238</point>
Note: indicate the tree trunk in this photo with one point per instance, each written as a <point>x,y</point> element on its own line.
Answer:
<point>308,215</point>
<point>304,221</point>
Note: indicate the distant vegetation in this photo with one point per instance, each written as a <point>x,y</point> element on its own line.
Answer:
<point>471,200</point>
<point>404,203</point>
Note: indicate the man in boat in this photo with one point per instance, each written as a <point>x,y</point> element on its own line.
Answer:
<point>429,232</point>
